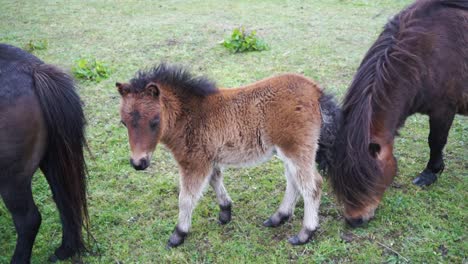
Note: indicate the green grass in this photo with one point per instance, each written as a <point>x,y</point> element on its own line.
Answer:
<point>133,213</point>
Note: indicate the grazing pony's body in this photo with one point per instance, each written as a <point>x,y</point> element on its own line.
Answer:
<point>419,64</point>
<point>41,126</point>
<point>207,129</point>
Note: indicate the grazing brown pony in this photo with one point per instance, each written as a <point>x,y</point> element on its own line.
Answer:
<point>419,64</point>
<point>207,129</point>
<point>41,126</point>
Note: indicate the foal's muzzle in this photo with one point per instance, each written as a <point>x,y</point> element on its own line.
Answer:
<point>141,164</point>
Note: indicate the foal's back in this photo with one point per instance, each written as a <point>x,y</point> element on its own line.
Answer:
<point>244,125</point>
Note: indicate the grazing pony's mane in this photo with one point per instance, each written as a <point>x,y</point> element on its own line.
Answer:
<point>174,77</point>
<point>392,60</point>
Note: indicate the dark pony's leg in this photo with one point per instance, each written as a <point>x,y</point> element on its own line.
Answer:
<point>69,243</point>
<point>440,123</point>
<point>19,201</point>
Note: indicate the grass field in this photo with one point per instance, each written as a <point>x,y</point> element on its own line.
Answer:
<point>133,213</point>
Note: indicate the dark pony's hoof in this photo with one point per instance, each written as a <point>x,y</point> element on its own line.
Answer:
<point>426,178</point>
<point>302,238</point>
<point>53,258</point>
<point>177,238</point>
<point>276,220</point>
<point>225,214</point>
<point>61,253</point>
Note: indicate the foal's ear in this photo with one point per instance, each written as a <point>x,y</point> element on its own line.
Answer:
<point>152,89</point>
<point>122,88</point>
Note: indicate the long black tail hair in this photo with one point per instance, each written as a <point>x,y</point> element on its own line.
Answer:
<point>64,164</point>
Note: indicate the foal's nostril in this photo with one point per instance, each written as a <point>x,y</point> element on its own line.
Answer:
<point>355,222</point>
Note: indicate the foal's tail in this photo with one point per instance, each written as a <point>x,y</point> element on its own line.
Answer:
<point>331,121</point>
<point>64,165</point>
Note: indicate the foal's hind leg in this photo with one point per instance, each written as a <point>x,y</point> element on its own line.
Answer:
<point>192,183</point>
<point>224,201</point>
<point>286,208</point>
<point>19,201</point>
<point>309,183</point>
<point>440,124</point>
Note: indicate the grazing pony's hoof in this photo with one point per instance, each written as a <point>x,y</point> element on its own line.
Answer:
<point>177,238</point>
<point>225,214</point>
<point>276,220</point>
<point>62,253</point>
<point>426,178</point>
<point>53,258</point>
<point>302,238</point>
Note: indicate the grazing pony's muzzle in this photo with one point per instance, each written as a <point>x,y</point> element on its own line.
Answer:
<point>356,222</point>
<point>141,164</point>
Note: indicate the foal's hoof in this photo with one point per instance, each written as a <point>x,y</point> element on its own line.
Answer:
<point>276,220</point>
<point>426,178</point>
<point>225,214</point>
<point>177,238</point>
<point>302,238</point>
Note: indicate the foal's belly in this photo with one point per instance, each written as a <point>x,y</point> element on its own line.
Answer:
<point>239,157</point>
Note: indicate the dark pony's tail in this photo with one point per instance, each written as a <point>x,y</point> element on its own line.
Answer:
<point>64,165</point>
<point>331,121</point>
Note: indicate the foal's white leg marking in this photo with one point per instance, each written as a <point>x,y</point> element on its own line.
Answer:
<point>188,198</point>
<point>309,184</point>
<point>216,182</point>
<point>290,198</point>
<point>307,180</point>
<point>292,193</point>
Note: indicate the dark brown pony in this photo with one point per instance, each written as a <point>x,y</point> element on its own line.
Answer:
<point>419,64</point>
<point>41,126</point>
<point>207,128</point>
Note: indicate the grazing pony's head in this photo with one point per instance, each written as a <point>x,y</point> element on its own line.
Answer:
<point>372,110</point>
<point>146,101</point>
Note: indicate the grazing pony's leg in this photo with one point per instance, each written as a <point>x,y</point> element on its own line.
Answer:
<point>19,201</point>
<point>224,201</point>
<point>286,208</point>
<point>192,183</point>
<point>440,123</point>
<point>70,231</point>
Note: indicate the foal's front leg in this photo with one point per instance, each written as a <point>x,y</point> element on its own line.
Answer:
<point>192,183</point>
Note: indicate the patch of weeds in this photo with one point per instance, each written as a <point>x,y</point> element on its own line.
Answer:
<point>242,41</point>
<point>39,44</point>
<point>91,69</point>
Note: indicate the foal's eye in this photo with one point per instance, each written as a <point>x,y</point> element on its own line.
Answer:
<point>154,123</point>
<point>123,123</point>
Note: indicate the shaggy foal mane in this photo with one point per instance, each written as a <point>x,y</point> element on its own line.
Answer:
<point>175,77</point>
